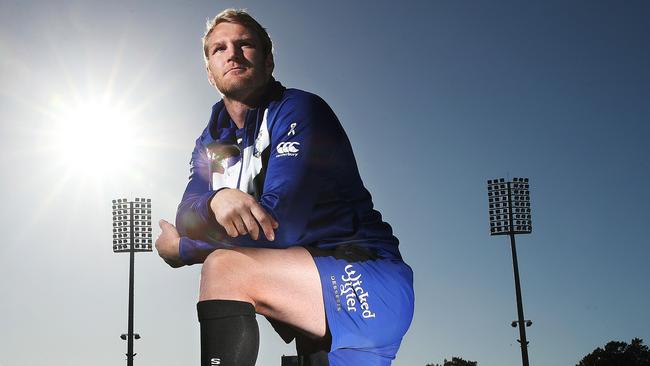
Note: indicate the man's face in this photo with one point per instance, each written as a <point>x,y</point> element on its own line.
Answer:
<point>236,62</point>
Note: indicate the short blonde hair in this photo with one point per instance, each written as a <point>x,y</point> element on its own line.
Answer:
<point>241,17</point>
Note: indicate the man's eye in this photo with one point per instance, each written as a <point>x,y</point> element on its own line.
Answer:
<point>218,49</point>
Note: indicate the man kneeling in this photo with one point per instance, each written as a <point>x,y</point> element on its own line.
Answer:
<point>277,213</point>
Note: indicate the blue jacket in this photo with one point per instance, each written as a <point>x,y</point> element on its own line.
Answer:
<point>294,157</point>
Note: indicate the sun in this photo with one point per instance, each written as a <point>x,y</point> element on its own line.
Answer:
<point>86,147</point>
<point>92,138</point>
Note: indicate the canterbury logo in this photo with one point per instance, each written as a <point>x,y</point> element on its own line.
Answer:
<point>287,147</point>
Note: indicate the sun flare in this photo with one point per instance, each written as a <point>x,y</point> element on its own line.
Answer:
<point>92,138</point>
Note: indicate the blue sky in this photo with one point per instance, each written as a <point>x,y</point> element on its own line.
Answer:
<point>436,97</point>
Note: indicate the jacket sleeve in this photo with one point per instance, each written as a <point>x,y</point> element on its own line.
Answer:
<point>193,217</point>
<point>200,233</point>
<point>304,132</point>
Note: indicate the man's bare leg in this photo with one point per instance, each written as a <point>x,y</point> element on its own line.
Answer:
<point>282,284</point>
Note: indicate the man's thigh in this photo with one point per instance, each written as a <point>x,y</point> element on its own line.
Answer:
<point>283,284</point>
<point>368,301</point>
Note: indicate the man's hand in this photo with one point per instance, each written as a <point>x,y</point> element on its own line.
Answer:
<point>167,244</point>
<point>239,213</point>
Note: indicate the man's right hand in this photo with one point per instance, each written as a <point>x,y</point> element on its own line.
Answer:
<point>239,214</point>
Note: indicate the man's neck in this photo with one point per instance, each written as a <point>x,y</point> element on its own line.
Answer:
<point>236,110</point>
<point>237,107</point>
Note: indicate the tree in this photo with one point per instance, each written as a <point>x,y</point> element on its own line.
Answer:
<point>619,353</point>
<point>455,361</point>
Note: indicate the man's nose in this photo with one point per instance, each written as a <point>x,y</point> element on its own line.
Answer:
<point>234,52</point>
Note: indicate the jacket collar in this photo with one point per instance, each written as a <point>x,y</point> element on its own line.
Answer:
<point>221,126</point>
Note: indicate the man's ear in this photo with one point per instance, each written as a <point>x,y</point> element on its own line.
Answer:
<point>269,63</point>
<point>210,77</point>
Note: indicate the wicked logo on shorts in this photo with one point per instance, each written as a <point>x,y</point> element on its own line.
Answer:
<point>353,292</point>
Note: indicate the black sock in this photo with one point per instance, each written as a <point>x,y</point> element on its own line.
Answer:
<point>229,333</point>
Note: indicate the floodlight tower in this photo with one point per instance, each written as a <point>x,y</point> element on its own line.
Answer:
<point>510,215</point>
<point>131,234</point>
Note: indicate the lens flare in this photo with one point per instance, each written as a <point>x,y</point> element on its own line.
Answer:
<point>93,138</point>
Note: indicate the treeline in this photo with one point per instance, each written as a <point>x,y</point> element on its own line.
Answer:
<point>614,353</point>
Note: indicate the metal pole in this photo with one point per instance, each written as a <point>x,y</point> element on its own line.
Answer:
<point>520,306</point>
<point>129,352</point>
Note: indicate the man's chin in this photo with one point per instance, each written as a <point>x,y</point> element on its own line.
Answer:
<point>235,86</point>
<point>238,90</point>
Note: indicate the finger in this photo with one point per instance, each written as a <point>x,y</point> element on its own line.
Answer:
<point>251,225</point>
<point>230,228</point>
<point>274,223</point>
<point>240,226</point>
<point>166,227</point>
<point>265,220</point>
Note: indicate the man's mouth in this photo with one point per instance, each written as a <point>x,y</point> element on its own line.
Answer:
<point>236,70</point>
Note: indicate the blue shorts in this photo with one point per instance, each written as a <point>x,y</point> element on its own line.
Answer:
<point>369,304</point>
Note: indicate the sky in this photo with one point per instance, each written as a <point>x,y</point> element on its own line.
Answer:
<point>104,99</point>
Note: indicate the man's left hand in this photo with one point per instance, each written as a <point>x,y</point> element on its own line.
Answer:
<point>168,244</point>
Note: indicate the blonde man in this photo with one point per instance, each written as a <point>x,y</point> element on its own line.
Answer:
<point>277,213</point>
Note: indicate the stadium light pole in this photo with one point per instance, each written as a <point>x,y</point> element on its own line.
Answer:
<point>131,234</point>
<point>510,215</point>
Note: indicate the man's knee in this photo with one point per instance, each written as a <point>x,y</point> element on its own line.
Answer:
<point>224,276</point>
<point>218,263</point>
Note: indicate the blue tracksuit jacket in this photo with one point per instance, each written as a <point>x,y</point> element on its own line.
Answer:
<point>294,157</point>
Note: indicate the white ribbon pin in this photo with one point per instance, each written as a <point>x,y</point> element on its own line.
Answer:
<point>291,129</point>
